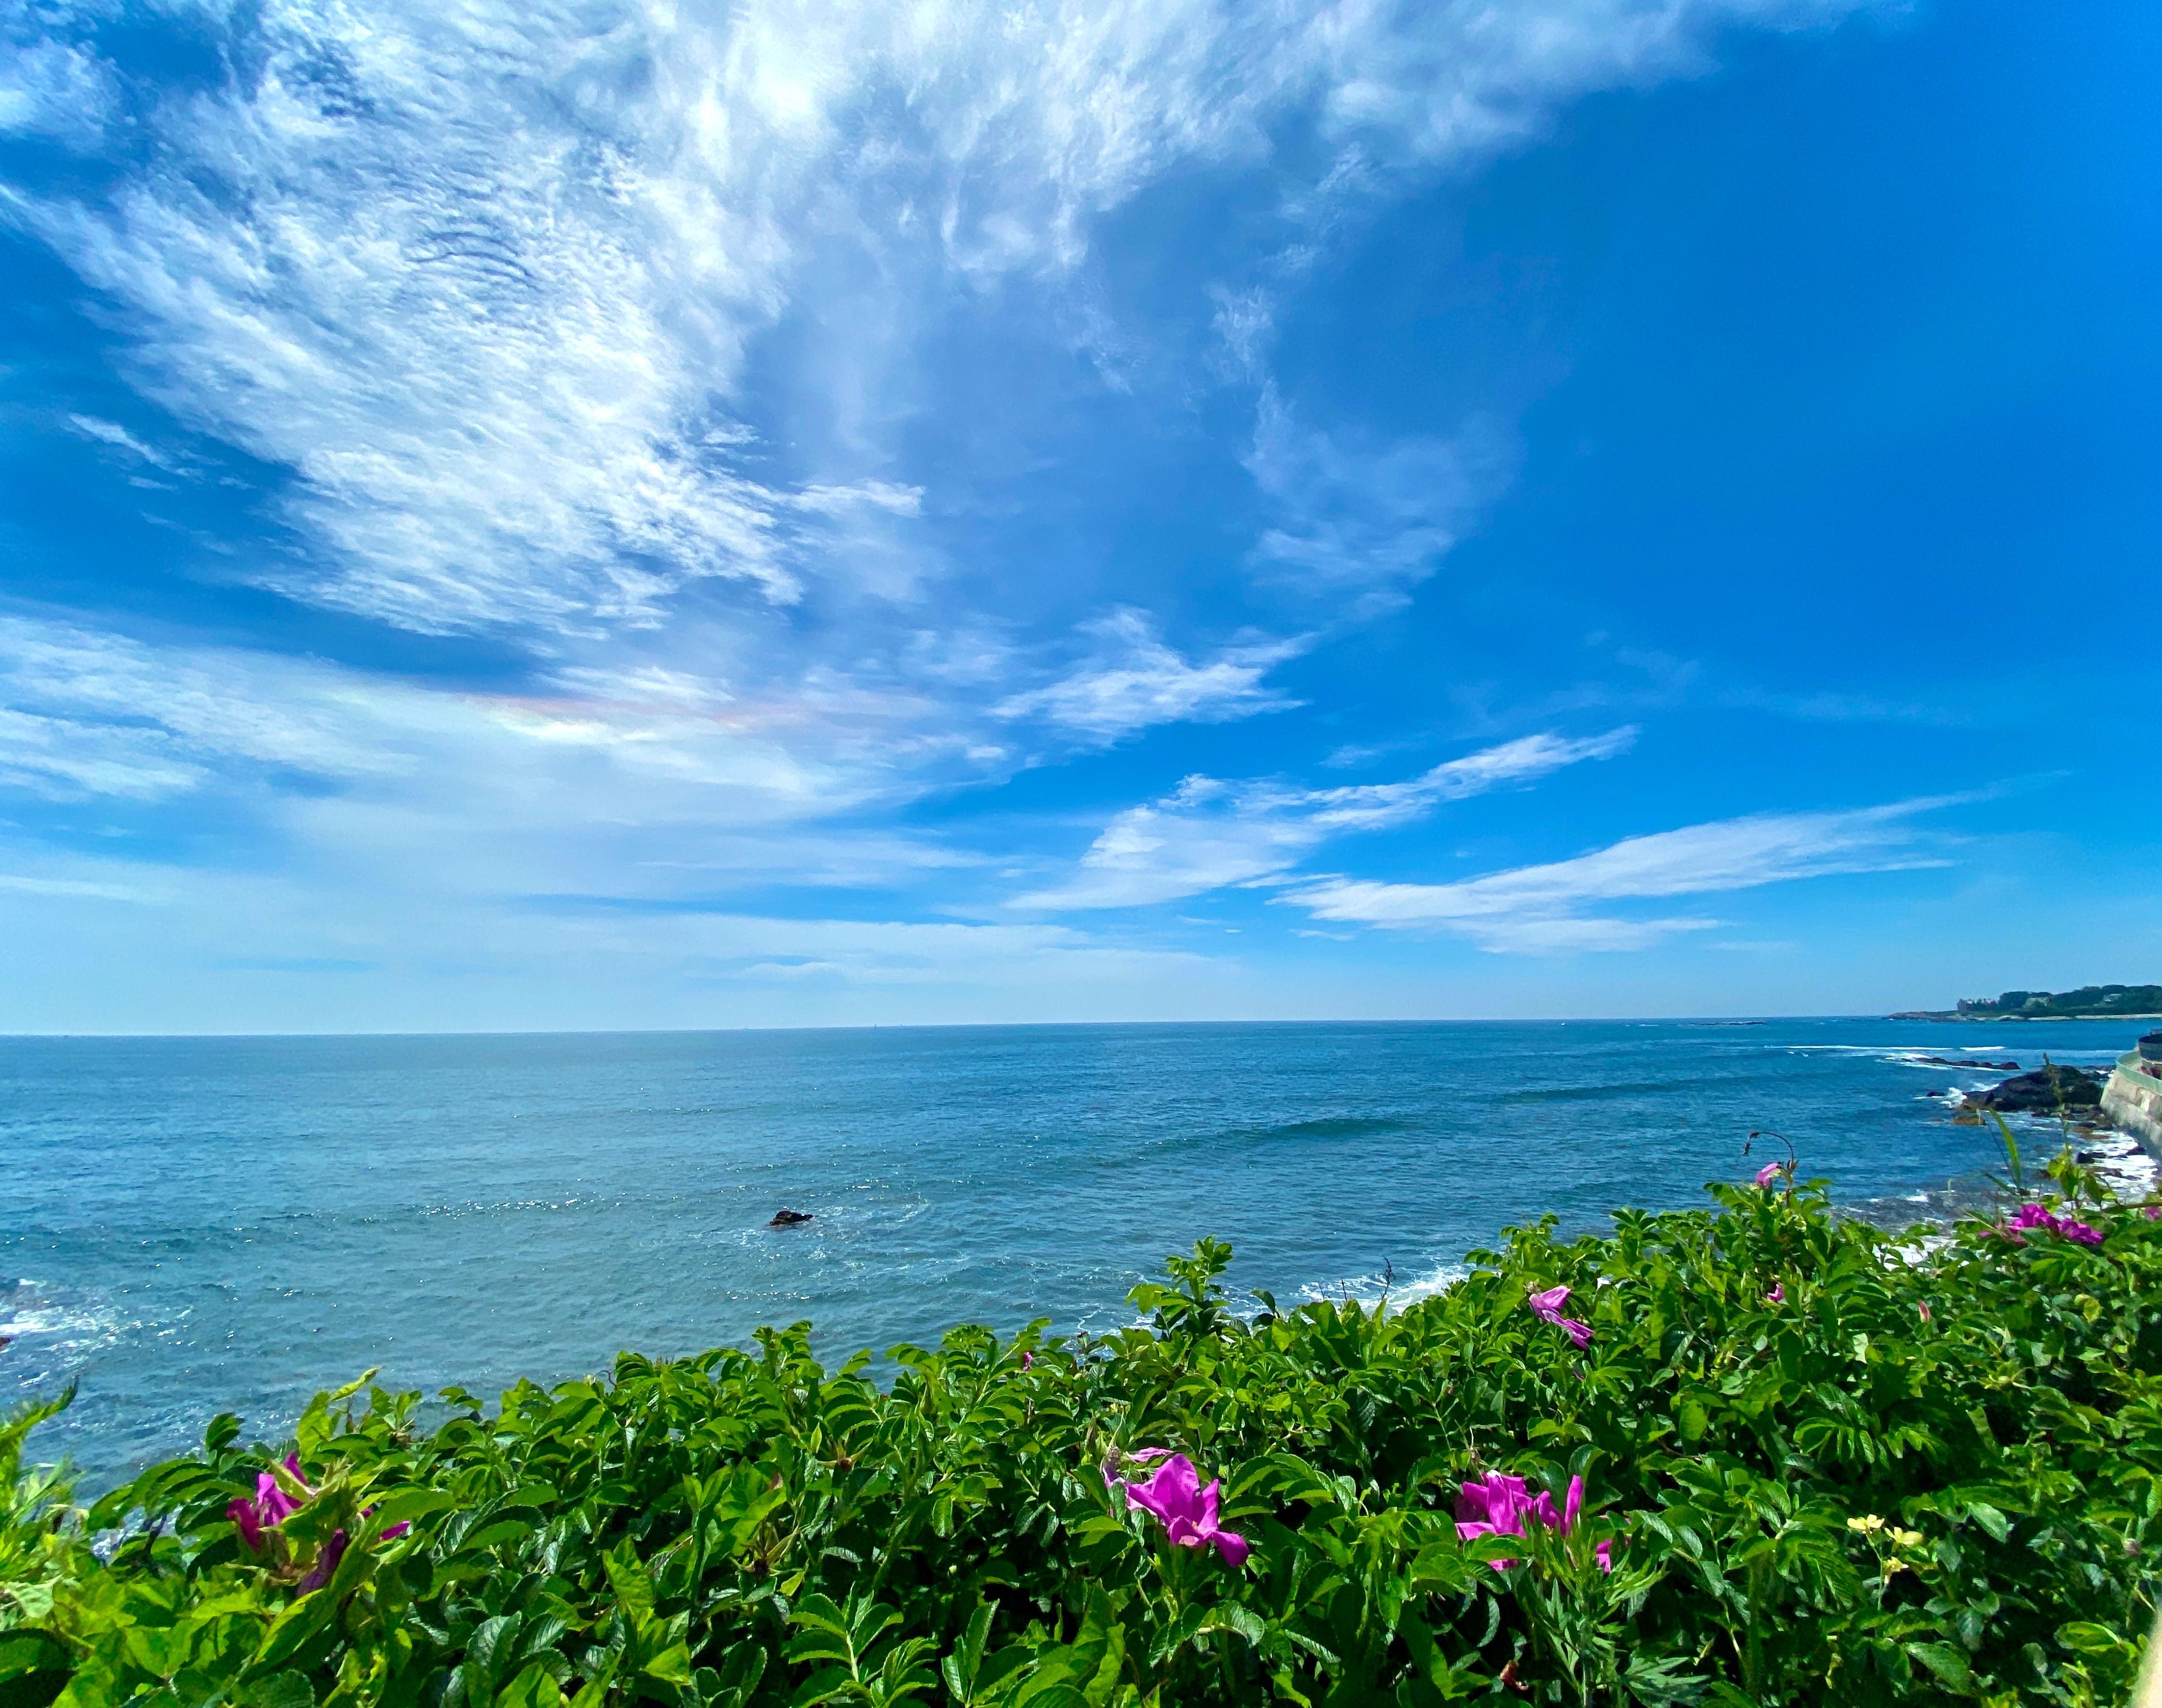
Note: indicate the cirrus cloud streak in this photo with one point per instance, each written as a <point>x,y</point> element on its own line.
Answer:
<point>1543,907</point>
<point>1209,833</point>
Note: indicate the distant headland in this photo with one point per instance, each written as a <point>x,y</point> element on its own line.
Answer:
<point>2088,1002</point>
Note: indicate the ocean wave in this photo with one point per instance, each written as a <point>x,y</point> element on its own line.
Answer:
<point>60,1326</point>
<point>1376,1289</point>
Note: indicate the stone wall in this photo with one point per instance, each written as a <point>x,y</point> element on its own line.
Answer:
<point>2133,1100</point>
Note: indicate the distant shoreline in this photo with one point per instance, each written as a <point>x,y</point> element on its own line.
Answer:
<point>2016,1018</point>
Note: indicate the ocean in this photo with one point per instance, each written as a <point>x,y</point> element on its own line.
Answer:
<point>195,1225</point>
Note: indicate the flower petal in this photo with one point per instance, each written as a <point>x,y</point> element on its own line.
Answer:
<point>246,1522</point>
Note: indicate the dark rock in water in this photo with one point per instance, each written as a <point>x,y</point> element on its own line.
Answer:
<point>2151,1047</point>
<point>1969,1062</point>
<point>2035,1093</point>
<point>789,1219</point>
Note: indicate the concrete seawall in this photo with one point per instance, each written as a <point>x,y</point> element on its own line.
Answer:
<point>2133,1100</point>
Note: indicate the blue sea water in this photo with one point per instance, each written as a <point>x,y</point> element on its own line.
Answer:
<point>195,1224</point>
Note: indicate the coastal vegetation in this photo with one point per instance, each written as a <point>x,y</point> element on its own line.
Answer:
<point>2088,1002</point>
<point>1759,1453</point>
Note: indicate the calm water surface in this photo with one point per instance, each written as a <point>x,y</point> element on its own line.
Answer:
<point>200,1224</point>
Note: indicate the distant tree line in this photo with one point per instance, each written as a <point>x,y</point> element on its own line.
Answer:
<point>2098,999</point>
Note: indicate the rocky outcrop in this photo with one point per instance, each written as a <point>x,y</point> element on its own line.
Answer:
<point>2045,1091</point>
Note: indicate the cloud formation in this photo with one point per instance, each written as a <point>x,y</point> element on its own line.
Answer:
<point>1208,834</point>
<point>621,346</point>
<point>1543,907</point>
<point>1365,520</point>
<point>487,281</point>
<point>1135,680</point>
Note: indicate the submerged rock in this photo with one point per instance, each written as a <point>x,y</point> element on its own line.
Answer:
<point>2043,1092</point>
<point>789,1219</point>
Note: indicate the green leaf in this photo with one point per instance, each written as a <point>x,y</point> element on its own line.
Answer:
<point>303,1619</point>
<point>534,1687</point>
<point>24,1652</point>
<point>1993,1522</point>
<point>280,1690</point>
<point>1948,1664</point>
<point>403,1506</point>
<point>960,1668</point>
<point>823,1686</point>
<point>630,1579</point>
<point>672,1665</point>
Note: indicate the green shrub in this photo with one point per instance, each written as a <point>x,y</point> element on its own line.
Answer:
<point>1915,1474</point>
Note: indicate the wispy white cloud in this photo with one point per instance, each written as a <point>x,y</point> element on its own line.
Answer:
<point>440,956</point>
<point>603,328</point>
<point>1209,834</point>
<point>87,713</point>
<point>1134,680</point>
<point>1368,520</point>
<point>1543,907</point>
<point>55,90</point>
<point>488,278</point>
<point>113,433</point>
<point>71,889</point>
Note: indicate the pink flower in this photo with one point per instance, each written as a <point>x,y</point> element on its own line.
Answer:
<point>1497,1505</point>
<point>2153,1212</point>
<point>1923,1305</point>
<point>325,1563</point>
<point>1777,1296</point>
<point>1185,1510</point>
<point>2028,1217</point>
<point>1546,1306</point>
<point>1770,1172</point>
<point>1027,1359</point>
<point>271,1507</point>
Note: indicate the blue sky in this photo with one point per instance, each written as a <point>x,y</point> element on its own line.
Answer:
<point>591,516</point>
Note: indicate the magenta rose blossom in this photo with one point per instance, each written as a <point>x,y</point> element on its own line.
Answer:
<point>1174,1496</point>
<point>1498,1505</point>
<point>2031,1218</point>
<point>272,1506</point>
<point>1547,1307</point>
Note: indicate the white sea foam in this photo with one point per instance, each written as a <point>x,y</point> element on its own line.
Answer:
<point>1374,1290</point>
<point>2124,1166</point>
<point>68,1327</point>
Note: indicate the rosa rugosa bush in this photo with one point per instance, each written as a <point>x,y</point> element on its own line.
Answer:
<point>1777,1456</point>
